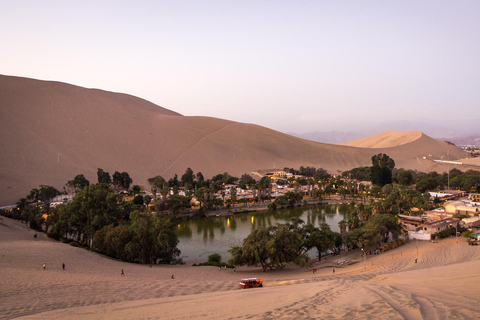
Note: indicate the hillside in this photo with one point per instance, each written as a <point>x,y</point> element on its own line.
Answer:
<point>52,131</point>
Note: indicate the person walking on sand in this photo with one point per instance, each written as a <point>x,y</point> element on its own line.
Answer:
<point>63,266</point>
<point>44,266</point>
<point>123,273</point>
<point>415,260</point>
<point>333,271</point>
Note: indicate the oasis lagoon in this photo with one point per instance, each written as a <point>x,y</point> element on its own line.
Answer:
<point>199,238</point>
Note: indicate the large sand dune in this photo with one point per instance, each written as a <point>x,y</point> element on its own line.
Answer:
<point>53,131</point>
<point>442,285</point>
<point>387,139</point>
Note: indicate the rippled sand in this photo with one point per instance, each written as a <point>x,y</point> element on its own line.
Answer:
<point>444,284</point>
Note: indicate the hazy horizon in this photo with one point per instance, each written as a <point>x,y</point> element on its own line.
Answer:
<point>293,67</point>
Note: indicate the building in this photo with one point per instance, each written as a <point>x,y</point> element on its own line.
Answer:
<point>476,236</point>
<point>459,207</point>
<point>474,197</point>
<point>425,226</point>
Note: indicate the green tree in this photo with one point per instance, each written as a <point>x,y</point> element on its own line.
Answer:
<point>321,174</point>
<point>162,186</point>
<point>233,195</point>
<point>138,200</point>
<point>188,178</point>
<point>271,247</point>
<point>321,238</point>
<point>176,202</point>
<point>103,177</point>
<point>153,240</point>
<point>122,180</point>
<point>78,183</point>
<point>45,195</point>
<point>215,258</point>
<point>381,173</point>
<point>404,177</point>
<point>90,210</point>
<point>342,225</point>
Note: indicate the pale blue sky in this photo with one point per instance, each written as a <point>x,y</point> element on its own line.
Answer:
<point>295,66</point>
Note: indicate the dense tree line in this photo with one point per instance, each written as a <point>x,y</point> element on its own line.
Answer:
<point>468,181</point>
<point>371,223</point>
<point>146,239</point>
<point>98,218</point>
<point>383,172</point>
<point>276,246</point>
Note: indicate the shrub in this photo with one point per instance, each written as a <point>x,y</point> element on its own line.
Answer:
<point>54,235</point>
<point>75,244</point>
<point>272,206</point>
<point>215,257</point>
<point>467,233</point>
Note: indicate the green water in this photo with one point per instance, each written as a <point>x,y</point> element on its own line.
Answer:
<point>198,238</point>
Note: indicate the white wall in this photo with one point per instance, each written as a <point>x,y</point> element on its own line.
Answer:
<point>412,235</point>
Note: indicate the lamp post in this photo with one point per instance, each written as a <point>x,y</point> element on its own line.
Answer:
<point>416,241</point>
<point>456,232</point>
<point>365,258</point>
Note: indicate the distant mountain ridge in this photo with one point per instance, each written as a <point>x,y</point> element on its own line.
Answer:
<point>471,140</point>
<point>52,131</point>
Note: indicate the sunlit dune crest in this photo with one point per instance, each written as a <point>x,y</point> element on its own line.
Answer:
<point>387,139</point>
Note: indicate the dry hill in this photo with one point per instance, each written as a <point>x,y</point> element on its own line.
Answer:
<point>52,131</point>
<point>387,139</point>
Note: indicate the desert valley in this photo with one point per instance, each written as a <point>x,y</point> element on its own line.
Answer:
<point>53,131</point>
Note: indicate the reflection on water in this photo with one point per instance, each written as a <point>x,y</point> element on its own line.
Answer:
<point>201,237</point>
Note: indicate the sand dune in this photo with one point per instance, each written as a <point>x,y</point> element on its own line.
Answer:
<point>52,131</point>
<point>387,139</point>
<point>442,285</point>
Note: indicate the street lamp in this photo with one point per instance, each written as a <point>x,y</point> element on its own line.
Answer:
<point>416,241</point>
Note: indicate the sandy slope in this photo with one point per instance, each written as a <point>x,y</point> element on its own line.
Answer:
<point>387,139</point>
<point>53,131</point>
<point>442,285</point>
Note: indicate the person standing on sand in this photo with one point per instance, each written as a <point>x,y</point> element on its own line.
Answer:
<point>44,266</point>
<point>63,266</point>
<point>123,273</point>
<point>333,271</point>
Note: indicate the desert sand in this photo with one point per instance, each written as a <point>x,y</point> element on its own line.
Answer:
<point>53,131</point>
<point>387,139</point>
<point>444,284</point>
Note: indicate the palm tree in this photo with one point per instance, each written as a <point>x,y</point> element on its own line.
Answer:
<point>343,226</point>
<point>352,221</point>
<point>154,193</point>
